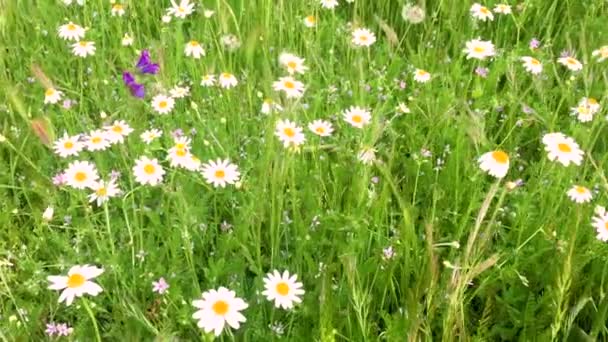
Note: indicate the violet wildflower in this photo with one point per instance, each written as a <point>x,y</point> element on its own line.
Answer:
<point>534,44</point>
<point>59,179</point>
<point>482,72</point>
<point>160,286</point>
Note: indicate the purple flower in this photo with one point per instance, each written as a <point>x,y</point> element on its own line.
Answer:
<point>67,104</point>
<point>146,66</point>
<point>402,84</point>
<point>136,89</point>
<point>59,179</point>
<point>482,72</point>
<point>375,180</point>
<point>527,109</point>
<point>177,133</point>
<point>63,329</point>
<point>160,286</point>
<point>114,174</point>
<point>51,329</point>
<point>388,253</point>
<point>534,43</point>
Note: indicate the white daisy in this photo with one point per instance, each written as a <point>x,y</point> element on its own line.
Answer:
<point>227,80</point>
<point>127,40</point>
<point>118,131</point>
<point>329,4</point>
<point>193,48</point>
<point>563,149</point>
<point>363,37</point>
<point>71,31</point>
<point>68,146</point>
<point>502,9</point>
<point>289,133</point>
<point>150,135</point>
<point>163,104</point>
<point>179,157</point>
<point>580,194</point>
<point>480,12</point>
<point>292,63</point>
<point>218,307</point>
<point>103,190</point>
<point>83,48</point>
<point>495,163</point>
<point>52,96</point>
<point>181,10</point>
<point>292,87</point>
<point>148,171</point>
<point>220,172</point>
<point>97,140</point>
<point>321,128</point>
<point>367,155</point>
<point>479,49</point>
<point>600,223</point>
<point>269,106</point>
<point>421,76</point>
<point>283,289</point>
<point>402,108</point>
<point>118,10</point>
<point>601,53</point>
<point>208,80</point>
<point>80,174</point>
<point>532,65</point>
<point>179,92</point>
<point>77,283</point>
<point>357,116</point>
<point>571,63</point>
<point>310,21</point>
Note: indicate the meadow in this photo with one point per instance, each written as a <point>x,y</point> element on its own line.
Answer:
<point>310,170</point>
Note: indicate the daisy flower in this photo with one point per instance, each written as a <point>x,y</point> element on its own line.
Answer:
<point>194,49</point>
<point>600,223</point>
<point>402,108</point>
<point>321,128</point>
<point>97,140</point>
<point>591,103</point>
<point>329,4</point>
<point>532,65</point>
<point>367,155</point>
<point>421,76</point>
<point>292,87</point>
<point>495,163</point>
<point>363,37</point>
<point>163,104</point>
<point>227,80</point>
<point>179,157</point>
<point>220,172</point>
<point>502,9</point>
<point>150,135</point>
<point>601,53</point>
<point>148,171</point>
<point>563,149</point>
<point>269,106</point>
<point>181,10</point>
<point>77,283</point>
<point>283,289</point>
<point>103,190</point>
<point>83,48</point>
<point>292,63</point>
<point>71,31</point>
<point>68,146</point>
<point>479,49</point>
<point>179,92</point>
<point>218,307</point>
<point>127,40</point>
<point>118,131</point>
<point>583,113</point>
<point>118,10</point>
<point>579,194</point>
<point>52,96</point>
<point>310,21</point>
<point>80,174</point>
<point>571,63</point>
<point>289,133</point>
<point>480,12</point>
<point>208,80</point>
<point>357,116</point>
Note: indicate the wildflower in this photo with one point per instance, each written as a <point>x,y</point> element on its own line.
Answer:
<point>479,49</point>
<point>600,223</point>
<point>103,190</point>
<point>367,155</point>
<point>59,329</point>
<point>127,40</point>
<point>502,9</point>
<point>363,37</point>
<point>118,131</point>
<point>310,21</point>
<point>481,71</point>
<point>47,215</point>
<point>166,19</point>
<point>357,116</point>
<point>145,64</point>
<point>402,108</point>
<point>329,4</point>
<point>52,96</point>
<point>71,31</point>
<point>562,148</point>
<point>220,172</point>
<point>194,49</point>
<point>321,128</point>
<point>179,157</point>
<point>292,63</point>
<point>136,89</point>
<point>388,253</point>
<point>67,146</point>
<point>495,163</point>
<point>218,307</point>
<point>480,12</point>
<point>571,63</point>
<point>77,283</point>
<point>150,135</point>
<point>208,13</point>
<point>230,41</point>
<point>601,53</point>
<point>160,286</point>
<point>532,65</point>
<point>163,104</point>
<point>292,87</point>
<point>413,14</point>
<point>59,179</point>
<point>97,140</point>
<point>283,289</point>
<point>534,44</point>
<point>227,80</point>
<point>118,10</point>
<point>83,48</point>
<point>208,80</point>
<point>81,174</point>
<point>148,171</point>
<point>289,133</point>
<point>179,92</point>
<point>421,76</point>
<point>67,104</point>
<point>579,194</point>
<point>269,106</point>
<point>181,10</point>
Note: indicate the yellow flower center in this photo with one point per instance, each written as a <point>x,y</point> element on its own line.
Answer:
<point>282,288</point>
<point>117,129</point>
<point>564,147</point>
<point>571,61</point>
<point>149,169</point>
<point>162,104</point>
<point>226,75</point>
<point>180,9</point>
<point>320,130</point>
<point>101,191</point>
<point>181,152</point>
<point>68,145</point>
<point>422,73</point>
<point>49,92</point>
<point>606,225</point>
<point>220,307</point>
<point>96,140</point>
<point>291,64</point>
<point>311,19</point>
<point>591,101</point>
<point>479,49</point>
<point>76,280</point>
<point>290,132</point>
<point>500,157</point>
<point>180,146</point>
<point>484,10</point>
<point>534,61</point>
<point>357,119</point>
<point>71,27</point>
<point>363,38</point>
<point>581,190</point>
<point>117,7</point>
<point>289,85</point>
<point>194,43</point>
<point>80,176</point>
<point>82,44</point>
<point>220,174</point>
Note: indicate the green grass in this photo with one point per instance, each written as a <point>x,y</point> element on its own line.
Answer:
<point>473,261</point>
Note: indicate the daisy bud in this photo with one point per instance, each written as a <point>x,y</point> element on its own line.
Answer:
<point>103,115</point>
<point>2,138</point>
<point>47,215</point>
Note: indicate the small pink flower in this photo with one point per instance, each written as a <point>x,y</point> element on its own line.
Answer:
<point>160,286</point>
